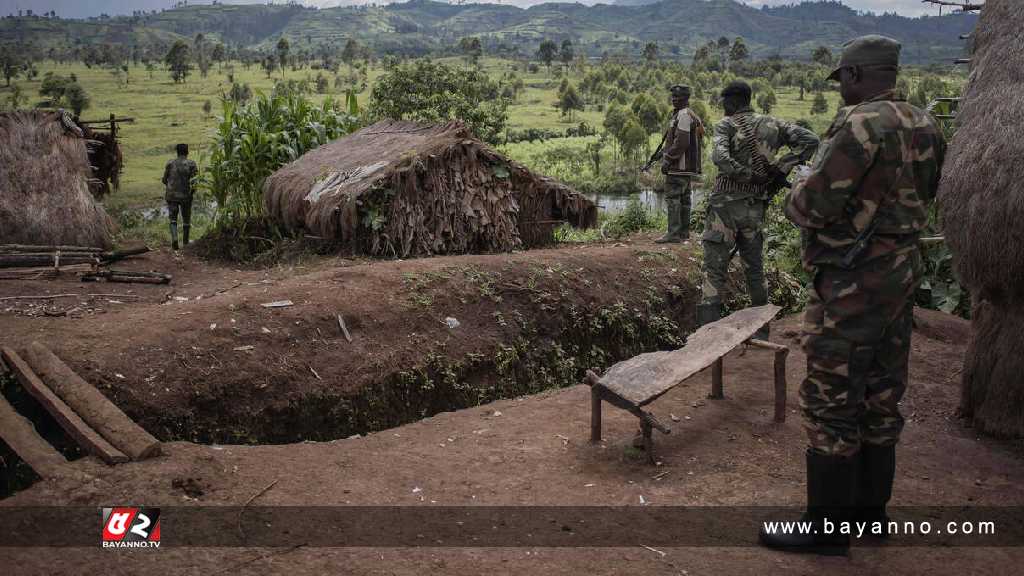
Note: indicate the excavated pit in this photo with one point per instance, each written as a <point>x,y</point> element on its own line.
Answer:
<point>427,336</point>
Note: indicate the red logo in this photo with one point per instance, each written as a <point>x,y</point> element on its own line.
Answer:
<point>131,527</point>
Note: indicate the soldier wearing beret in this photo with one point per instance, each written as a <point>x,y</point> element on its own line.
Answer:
<point>680,163</point>
<point>746,145</point>
<point>861,206</point>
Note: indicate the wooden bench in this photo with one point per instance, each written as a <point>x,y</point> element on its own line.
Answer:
<point>634,383</point>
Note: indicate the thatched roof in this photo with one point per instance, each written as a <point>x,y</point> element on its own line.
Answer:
<point>982,190</point>
<point>982,202</point>
<point>401,188</point>
<point>44,184</point>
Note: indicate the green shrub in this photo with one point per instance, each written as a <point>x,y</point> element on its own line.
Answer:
<point>255,139</point>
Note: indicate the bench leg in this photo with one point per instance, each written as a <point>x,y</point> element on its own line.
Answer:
<point>716,381</point>
<point>647,430</point>
<point>780,384</point>
<point>595,415</point>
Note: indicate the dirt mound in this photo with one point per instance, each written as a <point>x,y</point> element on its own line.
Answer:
<point>216,360</point>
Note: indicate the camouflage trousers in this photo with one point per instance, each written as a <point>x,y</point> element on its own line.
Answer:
<point>677,204</point>
<point>857,332</point>
<point>735,224</point>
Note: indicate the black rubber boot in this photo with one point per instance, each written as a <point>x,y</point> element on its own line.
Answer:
<point>174,235</point>
<point>709,312</point>
<point>831,490</point>
<point>672,234</point>
<point>874,488</point>
<point>184,234</point>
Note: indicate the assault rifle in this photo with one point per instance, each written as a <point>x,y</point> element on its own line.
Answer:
<point>656,156</point>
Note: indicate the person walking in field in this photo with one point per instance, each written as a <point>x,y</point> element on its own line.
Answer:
<point>680,163</point>
<point>749,174</point>
<point>179,176</point>
<point>861,206</point>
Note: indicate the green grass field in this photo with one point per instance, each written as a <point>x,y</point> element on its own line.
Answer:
<point>167,113</point>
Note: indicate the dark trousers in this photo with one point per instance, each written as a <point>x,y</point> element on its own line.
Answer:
<point>185,207</point>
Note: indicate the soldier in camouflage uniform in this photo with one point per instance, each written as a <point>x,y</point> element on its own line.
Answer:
<point>178,181</point>
<point>745,148</point>
<point>861,206</point>
<point>680,163</point>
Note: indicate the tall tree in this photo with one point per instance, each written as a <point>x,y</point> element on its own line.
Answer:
<point>738,52</point>
<point>12,62</point>
<point>471,49</point>
<point>822,55</point>
<point>546,52</point>
<point>179,61</point>
<point>651,52</point>
<point>283,49</point>
<point>570,101</point>
<point>201,52</point>
<point>567,53</point>
<point>351,51</point>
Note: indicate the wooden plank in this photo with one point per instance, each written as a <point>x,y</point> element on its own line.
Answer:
<point>89,403</point>
<point>21,436</point>
<point>642,379</point>
<point>71,423</point>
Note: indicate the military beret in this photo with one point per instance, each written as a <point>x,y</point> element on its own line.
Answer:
<point>737,88</point>
<point>680,90</point>
<point>871,50</point>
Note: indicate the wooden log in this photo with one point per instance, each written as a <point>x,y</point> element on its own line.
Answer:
<point>35,260</point>
<point>116,255</point>
<point>16,248</point>
<point>71,423</point>
<point>43,272</point>
<point>22,437</point>
<point>94,408</point>
<point>127,277</point>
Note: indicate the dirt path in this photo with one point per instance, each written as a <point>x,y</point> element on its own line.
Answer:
<point>533,451</point>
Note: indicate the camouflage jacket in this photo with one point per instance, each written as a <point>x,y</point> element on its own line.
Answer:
<point>880,159</point>
<point>178,176</point>
<point>738,165</point>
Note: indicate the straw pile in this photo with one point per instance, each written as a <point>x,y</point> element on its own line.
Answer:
<point>982,202</point>
<point>44,184</point>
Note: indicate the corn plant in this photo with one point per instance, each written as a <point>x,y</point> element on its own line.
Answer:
<point>253,140</point>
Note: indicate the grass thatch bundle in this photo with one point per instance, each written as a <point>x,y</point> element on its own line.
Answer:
<point>400,188</point>
<point>982,202</point>
<point>44,184</point>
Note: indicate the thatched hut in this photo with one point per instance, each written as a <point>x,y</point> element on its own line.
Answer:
<point>982,203</point>
<point>399,189</point>
<point>44,183</point>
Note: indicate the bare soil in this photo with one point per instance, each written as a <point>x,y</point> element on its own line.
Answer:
<point>531,450</point>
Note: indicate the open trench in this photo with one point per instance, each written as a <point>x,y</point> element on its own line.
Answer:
<point>553,327</point>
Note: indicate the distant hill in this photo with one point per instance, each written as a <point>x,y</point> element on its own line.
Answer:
<point>421,26</point>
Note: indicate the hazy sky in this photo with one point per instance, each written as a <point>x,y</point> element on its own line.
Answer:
<point>81,8</point>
